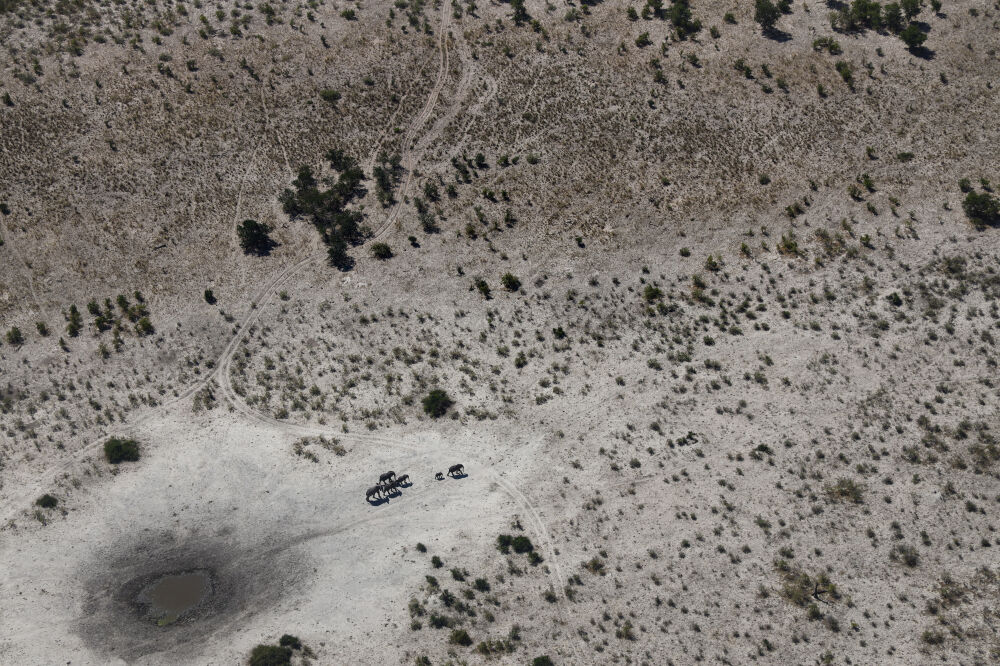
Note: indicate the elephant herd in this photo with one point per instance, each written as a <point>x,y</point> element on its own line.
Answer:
<point>390,484</point>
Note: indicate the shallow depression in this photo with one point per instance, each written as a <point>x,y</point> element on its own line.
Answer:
<point>173,595</point>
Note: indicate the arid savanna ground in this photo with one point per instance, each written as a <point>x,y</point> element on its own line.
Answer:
<point>708,312</point>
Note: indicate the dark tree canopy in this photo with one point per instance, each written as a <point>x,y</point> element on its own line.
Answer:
<point>913,36</point>
<point>437,403</point>
<point>766,13</point>
<point>254,237</point>
<point>680,16</point>
<point>327,208</point>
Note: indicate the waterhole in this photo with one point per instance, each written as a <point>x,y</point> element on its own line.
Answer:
<point>168,598</point>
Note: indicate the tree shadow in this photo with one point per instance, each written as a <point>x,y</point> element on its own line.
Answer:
<point>264,248</point>
<point>776,35</point>
<point>836,5</point>
<point>923,52</point>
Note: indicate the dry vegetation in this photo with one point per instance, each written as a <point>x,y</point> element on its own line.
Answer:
<point>716,312</point>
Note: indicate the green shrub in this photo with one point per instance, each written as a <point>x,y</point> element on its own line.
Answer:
<point>47,501</point>
<point>982,209</point>
<point>845,489</point>
<point>381,251</point>
<point>118,450</point>
<point>270,655</point>
<point>209,297</point>
<point>483,288</point>
<point>510,282</point>
<point>144,327</point>
<point>330,95</point>
<point>14,336</point>
<point>460,637</point>
<point>831,45</point>
<point>543,660</point>
<point>437,403</point>
<point>288,640</point>
<point>906,554</point>
<point>522,544</point>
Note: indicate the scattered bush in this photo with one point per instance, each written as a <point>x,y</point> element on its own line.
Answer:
<point>15,337</point>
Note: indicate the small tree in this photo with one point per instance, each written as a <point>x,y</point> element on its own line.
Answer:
<point>913,36</point>
<point>892,17</point>
<point>254,237</point>
<point>118,450</point>
<point>766,13</point>
<point>437,403</point>
<point>982,209</point>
